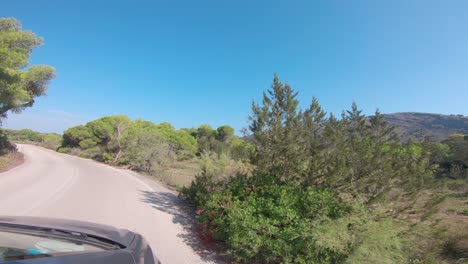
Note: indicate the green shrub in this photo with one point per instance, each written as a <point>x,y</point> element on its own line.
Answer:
<point>147,151</point>
<point>378,242</point>
<point>94,153</point>
<point>87,143</point>
<point>200,188</point>
<point>260,219</point>
<point>51,141</point>
<point>222,167</point>
<point>181,141</point>
<point>5,145</point>
<point>47,140</point>
<point>264,222</point>
<point>64,150</point>
<point>107,157</point>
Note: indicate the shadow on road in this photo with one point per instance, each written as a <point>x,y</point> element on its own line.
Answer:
<point>182,214</point>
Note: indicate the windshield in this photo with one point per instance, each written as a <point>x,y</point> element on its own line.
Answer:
<point>19,245</point>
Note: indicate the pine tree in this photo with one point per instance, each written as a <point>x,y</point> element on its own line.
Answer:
<point>276,126</point>
<point>381,129</point>
<point>313,125</point>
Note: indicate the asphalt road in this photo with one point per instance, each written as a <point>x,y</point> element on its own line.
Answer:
<point>51,184</point>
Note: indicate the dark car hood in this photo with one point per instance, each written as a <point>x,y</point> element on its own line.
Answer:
<point>121,236</point>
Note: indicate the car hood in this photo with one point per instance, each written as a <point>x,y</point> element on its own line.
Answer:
<point>120,236</point>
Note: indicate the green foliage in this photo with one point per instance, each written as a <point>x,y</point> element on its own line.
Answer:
<point>357,155</point>
<point>147,151</point>
<point>199,191</point>
<point>152,148</point>
<point>47,140</point>
<point>65,150</point>
<point>458,160</point>
<point>20,84</point>
<point>378,243</point>
<point>289,210</point>
<point>5,145</point>
<point>263,220</point>
<point>222,141</point>
<point>205,136</point>
<point>450,156</point>
<point>108,132</point>
<point>241,150</point>
<point>181,141</point>
<point>439,152</point>
<point>73,136</point>
<point>221,166</point>
<point>276,126</point>
<point>51,140</point>
<point>87,143</point>
<point>24,135</point>
<point>95,153</point>
<point>224,133</point>
<point>102,135</point>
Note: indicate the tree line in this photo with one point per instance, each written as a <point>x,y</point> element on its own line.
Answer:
<point>149,147</point>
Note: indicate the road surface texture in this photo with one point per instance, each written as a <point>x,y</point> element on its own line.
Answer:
<point>51,184</point>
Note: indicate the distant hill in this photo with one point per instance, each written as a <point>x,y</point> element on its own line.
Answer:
<point>420,125</point>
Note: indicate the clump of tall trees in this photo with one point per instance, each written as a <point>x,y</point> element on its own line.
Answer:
<point>315,178</point>
<point>149,147</point>
<point>354,154</point>
<point>450,156</point>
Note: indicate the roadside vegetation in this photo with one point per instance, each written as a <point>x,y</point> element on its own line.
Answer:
<point>10,160</point>
<point>28,136</point>
<point>159,149</point>
<point>336,190</point>
<point>20,82</point>
<point>9,156</point>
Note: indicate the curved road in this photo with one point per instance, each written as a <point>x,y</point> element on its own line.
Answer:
<point>56,185</point>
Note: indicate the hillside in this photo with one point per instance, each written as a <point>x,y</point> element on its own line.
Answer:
<point>420,125</point>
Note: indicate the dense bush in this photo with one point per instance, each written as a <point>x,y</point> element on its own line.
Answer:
<point>47,140</point>
<point>458,155</point>
<point>263,220</point>
<point>147,151</point>
<point>5,145</point>
<point>180,140</point>
<point>222,166</point>
<point>222,141</point>
<point>450,156</point>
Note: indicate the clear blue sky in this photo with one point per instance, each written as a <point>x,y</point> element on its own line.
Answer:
<point>194,62</point>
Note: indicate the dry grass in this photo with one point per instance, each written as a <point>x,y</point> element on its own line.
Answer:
<point>181,173</point>
<point>10,160</point>
<point>435,222</point>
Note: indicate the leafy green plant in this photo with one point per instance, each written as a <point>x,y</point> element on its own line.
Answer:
<point>20,83</point>
<point>47,140</point>
<point>263,220</point>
